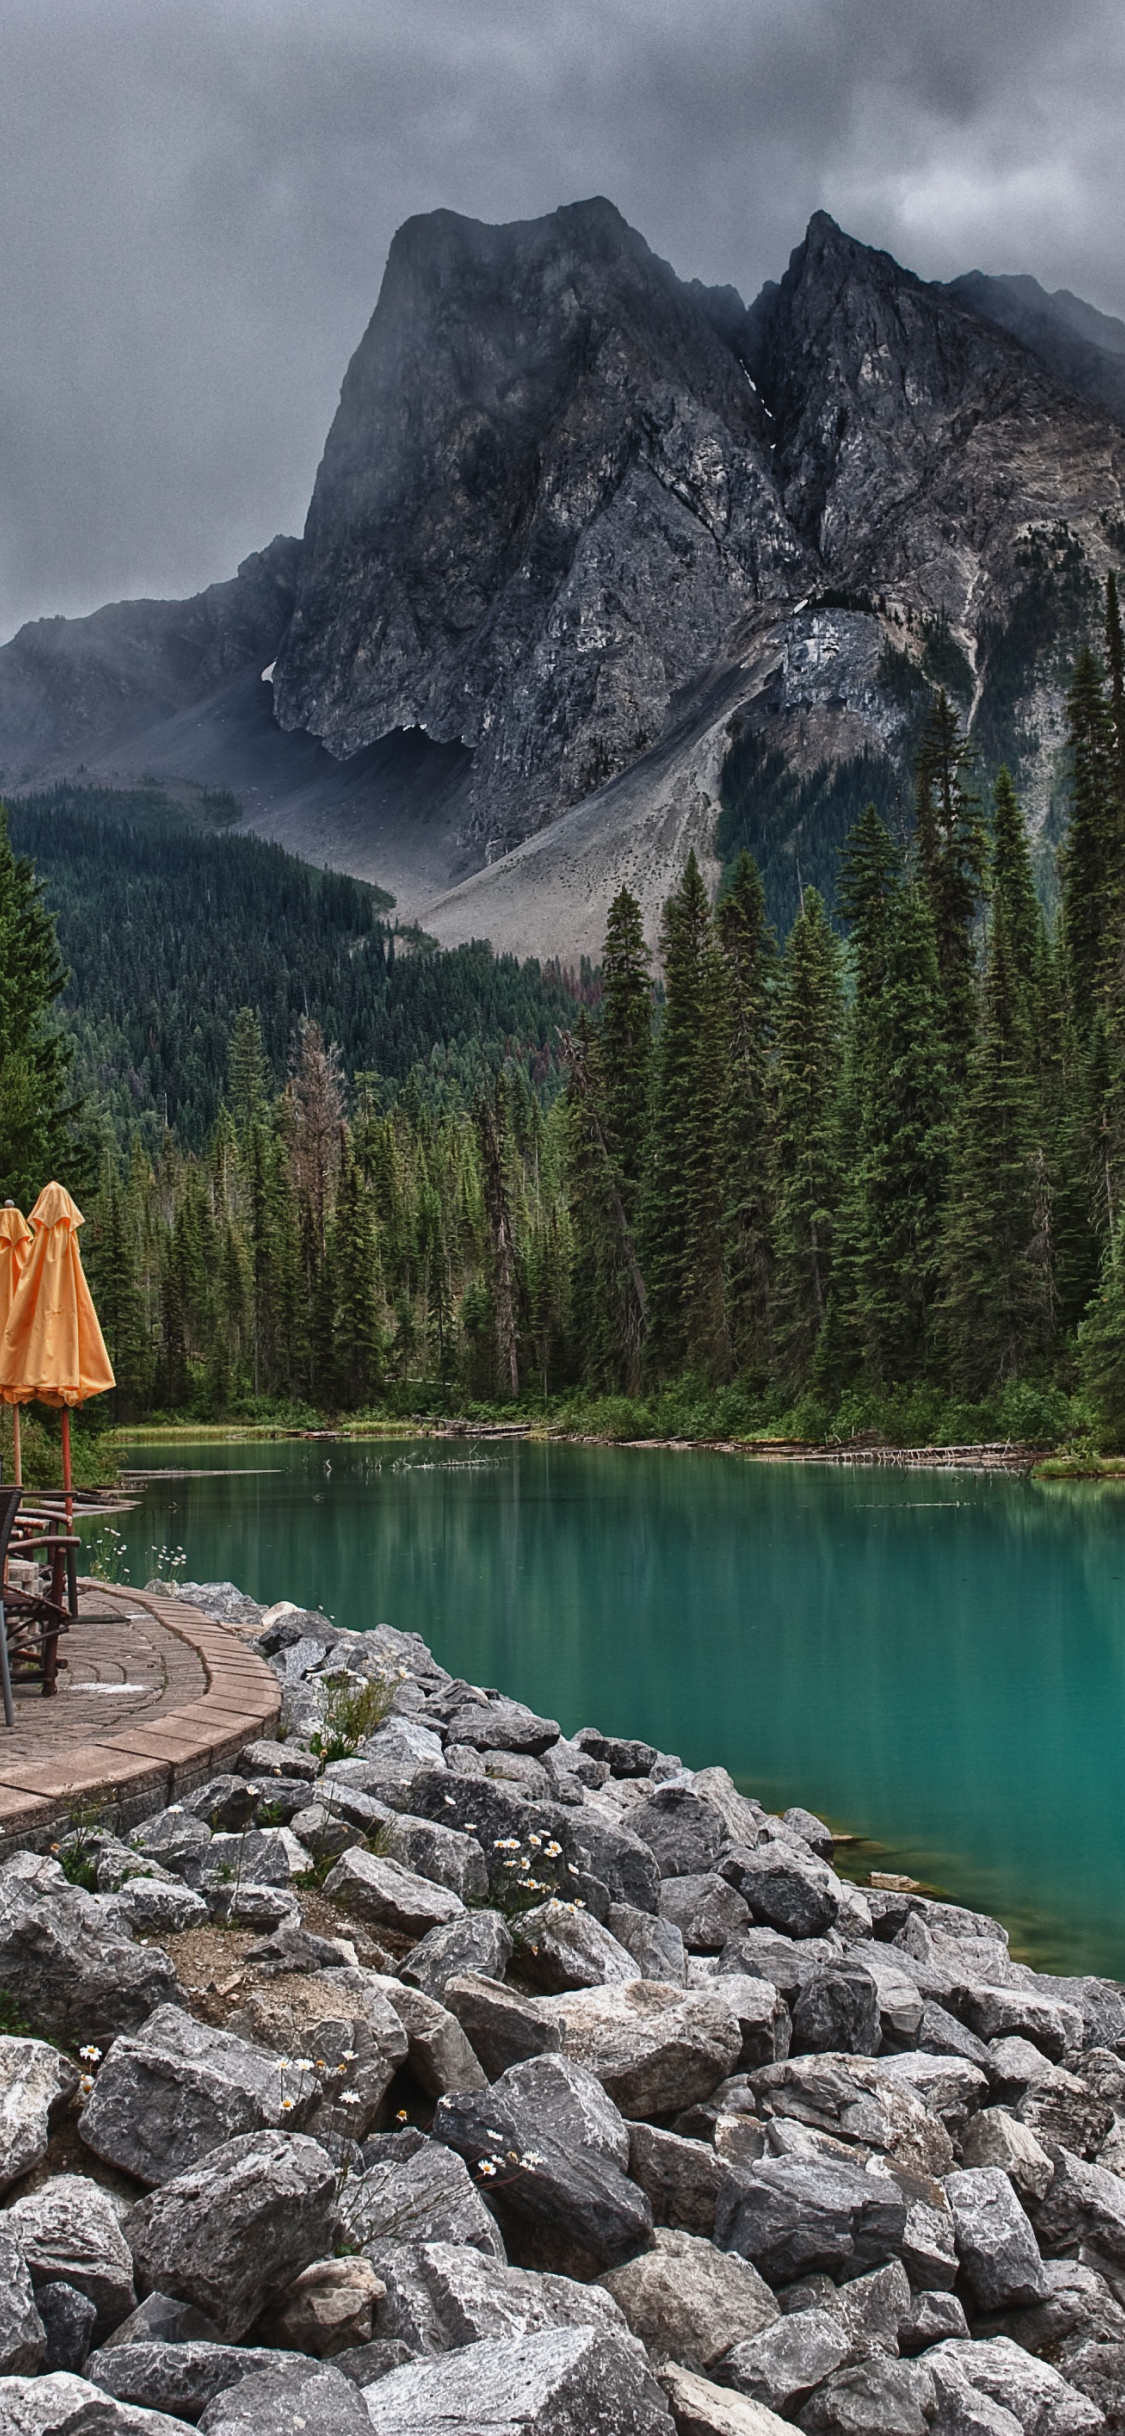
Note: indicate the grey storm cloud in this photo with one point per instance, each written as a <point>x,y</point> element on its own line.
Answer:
<point>198,200</point>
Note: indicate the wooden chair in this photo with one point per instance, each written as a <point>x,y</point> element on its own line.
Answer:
<point>32,1622</point>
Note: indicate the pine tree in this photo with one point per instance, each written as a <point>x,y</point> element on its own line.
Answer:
<point>1015,905</point>
<point>247,1071</point>
<point>355,1268</point>
<point>748,951</point>
<point>625,1046</point>
<point>903,1152</point>
<point>1101,1344</point>
<point>492,1133</point>
<point>806,1137</point>
<point>682,1222</point>
<point>35,1053</point>
<point>951,865</point>
<point>1089,858</point>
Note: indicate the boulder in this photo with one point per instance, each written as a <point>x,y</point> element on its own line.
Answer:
<point>68,2318</point>
<point>416,2191</point>
<point>495,1724</point>
<point>898,1996</point>
<point>613,1753</point>
<point>684,1833</point>
<point>1079,2308</point>
<point>502,2027</point>
<point>561,1947</point>
<point>438,2052</point>
<point>224,1803</point>
<point>441,1854</point>
<point>1064,2112</point>
<point>933,2317</point>
<point>231,2233</point>
<point>705,1909</point>
<point>161,2320</point>
<point>549,2384</point>
<point>266,1758</point>
<point>878,2397</point>
<point>65,2405</point>
<point>289,1948</point>
<point>181,2378</point>
<point>689,2302</point>
<point>477,1943</point>
<point>940,2033</point>
<point>549,2152</point>
<point>655,2049</point>
<point>680,2178</point>
<point>293,2394</point>
<point>812,1831</point>
<point>69,2233</point>
<point>1001,2012</point>
<point>72,1968</point>
<point>599,1849</point>
<point>838,2011</point>
<point>995,2138</point>
<point>338,2039</point>
<point>35,2081</point>
<point>159,1907</point>
<point>763,1953</point>
<point>457,2296</point>
<point>851,2098</point>
<point>326,2309</point>
<point>1039,2401</point>
<point>785,1888</point>
<point>781,2366</point>
<point>177,2089</point>
<point>995,2243</point>
<point>793,2216</point>
<point>388,1896</point>
<point>175,1838</point>
<point>946,2084</point>
<point>700,2408</point>
<point>1084,2205</point>
<point>23,2335</point>
<point>762,2016</point>
<point>239,1904</point>
<point>743,1819</point>
<point>655,1943</point>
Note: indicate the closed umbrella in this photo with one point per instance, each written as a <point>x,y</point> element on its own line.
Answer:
<point>52,1350</point>
<point>15,1236</point>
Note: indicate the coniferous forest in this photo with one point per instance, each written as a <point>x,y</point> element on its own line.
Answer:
<point>869,1179</point>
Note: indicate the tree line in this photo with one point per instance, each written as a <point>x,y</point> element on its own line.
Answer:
<point>830,1183</point>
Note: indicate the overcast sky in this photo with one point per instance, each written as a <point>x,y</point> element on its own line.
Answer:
<point>198,196</point>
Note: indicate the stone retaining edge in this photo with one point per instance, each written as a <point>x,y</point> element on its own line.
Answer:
<point>127,1775</point>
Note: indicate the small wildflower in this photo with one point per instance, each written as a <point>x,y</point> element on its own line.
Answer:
<point>535,1839</point>
<point>490,2134</point>
<point>553,1851</point>
<point>470,1826</point>
<point>85,2085</point>
<point>401,2116</point>
<point>90,2055</point>
<point>304,2063</point>
<point>487,2165</point>
<point>321,2066</point>
<point>287,2105</point>
<point>350,2097</point>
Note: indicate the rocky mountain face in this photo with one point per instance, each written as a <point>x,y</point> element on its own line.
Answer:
<point>578,522</point>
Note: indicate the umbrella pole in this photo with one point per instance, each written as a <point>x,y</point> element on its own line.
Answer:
<point>17,1457</point>
<point>68,1482</point>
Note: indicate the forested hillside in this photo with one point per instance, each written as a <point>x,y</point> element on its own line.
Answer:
<point>168,925</point>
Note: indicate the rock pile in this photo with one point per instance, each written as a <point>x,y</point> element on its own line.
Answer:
<point>606,2106</point>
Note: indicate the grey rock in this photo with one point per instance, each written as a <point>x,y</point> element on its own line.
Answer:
<point>69,2232</point>
<point>1084,2205</point>
<point>289,1948</point>
<point>1038,2399</point>
<point>174,2091</point>
<point>224,1802</point>
<point>782,2365</point>
<point>793,2215</point>
<point>552,2384</point>
<point>549,2152</point>
<point>278,1800</point>
<point>598,1848</point>
<point>852,2098</point>
<point>281,1759</point>
<point>24,2337</point>
<point>180,2378</point>
<point>462,2297</point>
<point>885,2397</point>
<point>655,1943</point>
<point>425,2195</point>
<point>295,2391</point>
<point>899,1999</point>
<point>762,2016</point>
<point>501,2026</point>
<point>372,2360</point>
<point>64,2405</point>
<point>441,1854</point>
<point>684,1832</point>
<point>1063,2111</point>
<point>323,1833</point>
<point>705,1909</point>
<point>258,1858</point>
<point>1097,2370</point>
<point>873,2308</point>
<point>788,1962</point>
<point>67,2317</point>
<point>838,2010</point>
<point>798,1896</point>
<point>326,2309</point>
<point>995,2244</point>
<point>239,1904</point>
<point>1079,2308</point>
<point>948,2085</point>
<point>479,1943</point>
<point>175,1838</point>
<point>388,1896</point>
<point>618,1757</point>
<point>681,2179</point>
<point>439,2053</point>
<point>76,1973</point>
<point>995,2138</point>
<point>159,1907</point>
<point>743,1819</point>
<point>35,2082</point>
<point>812,1831</point>
<point>342,2022</point>
<point>233,2231</point>
<point>654,2049</point>
<point>929,2249</point>
<point>940,2033</point>
<point>687,2301</point>
<point>497,1725</point>
<point>161,2320</point>
<point>1048,2023</point>
<point>561,1947</point>
<point>934,2317</point>
<point>701,2408</point>
<point>1014,2066</point>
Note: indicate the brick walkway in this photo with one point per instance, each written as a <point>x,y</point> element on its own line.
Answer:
<point>155,1698</point>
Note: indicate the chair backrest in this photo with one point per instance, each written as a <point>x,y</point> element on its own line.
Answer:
<point>10,1500</point>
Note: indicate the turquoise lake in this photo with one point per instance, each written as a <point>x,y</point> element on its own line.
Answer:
<point>934,1662</point>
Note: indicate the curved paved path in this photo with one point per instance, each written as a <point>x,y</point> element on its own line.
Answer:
<point>156,1697</point>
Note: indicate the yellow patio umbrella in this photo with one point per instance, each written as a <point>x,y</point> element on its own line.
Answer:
<point>15,1236</point>
<point>52,1350</point>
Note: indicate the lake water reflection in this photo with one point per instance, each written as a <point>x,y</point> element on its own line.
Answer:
<point>935,1662</point>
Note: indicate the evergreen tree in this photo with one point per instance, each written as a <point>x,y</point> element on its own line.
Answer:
<point>748,952</point>
<point>683,1216</point>
<point>247,1071</point>
<point>806,1137</point>
<point>492,1132</point>
<point>625,1046</point>
<point>951,864</point>
<point>1101,1344</point>
<point>903,1152</point>
<point>35,1054</point>
<point>354,1261</point>
<point>1089,858</point>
